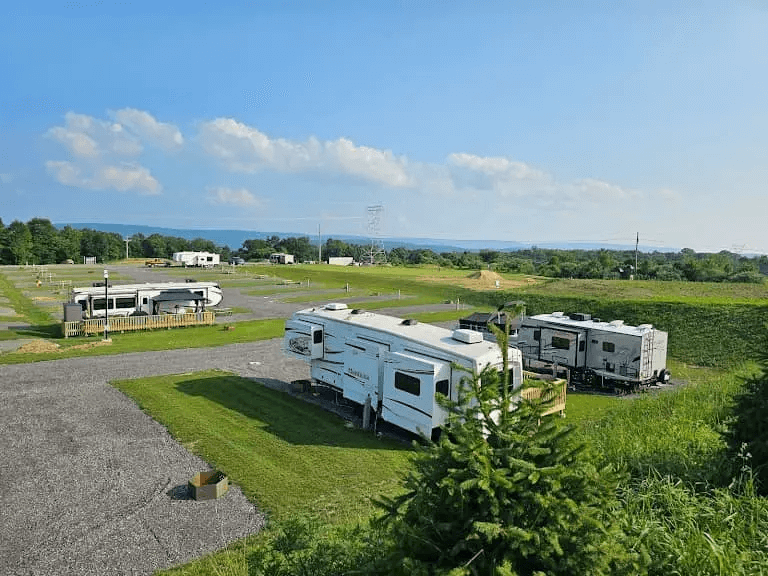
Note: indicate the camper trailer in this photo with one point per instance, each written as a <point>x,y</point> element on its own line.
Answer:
<point>282,258</point>
<point>398,364</point>
<point>150,298</point>
<point>605,354</point>
<point>205,259</point>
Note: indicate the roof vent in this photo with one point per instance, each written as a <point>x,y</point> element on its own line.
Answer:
<point>467,336</point>
<point>558,314</point>
<point>645,326</point>
<point>616,322</point>
<point>336,306</point>
<point>409,322</point>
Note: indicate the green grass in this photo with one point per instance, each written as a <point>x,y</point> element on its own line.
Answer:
<point>289,457</point>
<point>443,315</point>
<point>21,304</point>
<point>667,291</point>
<point>583,408</point>
<point>339,294</point>
<point>192,337</point>
<point>675,432</point>
<point>240,310</point>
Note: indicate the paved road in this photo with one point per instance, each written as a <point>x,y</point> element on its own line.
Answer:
<point>92,485</point>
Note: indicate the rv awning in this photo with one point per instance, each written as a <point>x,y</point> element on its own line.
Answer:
<point>178,296</point>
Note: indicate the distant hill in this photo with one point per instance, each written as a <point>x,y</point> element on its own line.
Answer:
<point>235,238</point>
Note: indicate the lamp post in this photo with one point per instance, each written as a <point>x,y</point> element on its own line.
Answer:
<point>106,305</point>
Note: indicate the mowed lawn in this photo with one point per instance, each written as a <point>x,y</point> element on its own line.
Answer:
<point>289,457</point>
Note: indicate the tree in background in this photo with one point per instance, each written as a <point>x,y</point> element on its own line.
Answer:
<point>45,240</point>
<point>19,240</point>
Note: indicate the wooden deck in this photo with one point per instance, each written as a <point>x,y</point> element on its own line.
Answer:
<point>129,323</point>
<point>556,396</point>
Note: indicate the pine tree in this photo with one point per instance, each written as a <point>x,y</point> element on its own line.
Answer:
<point>504,491</point>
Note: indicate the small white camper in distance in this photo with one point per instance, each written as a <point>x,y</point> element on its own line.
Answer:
<point>398,364</point>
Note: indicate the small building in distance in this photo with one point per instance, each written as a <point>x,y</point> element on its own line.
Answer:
<point>282,258</point>
<point>197,258</point>
<point>341,260</point>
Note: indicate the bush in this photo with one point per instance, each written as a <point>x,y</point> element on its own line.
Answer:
<point>748,431</point>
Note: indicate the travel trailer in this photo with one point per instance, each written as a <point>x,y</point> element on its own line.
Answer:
<point>204,259</point>
<point>606,354</point>
<point>150,298</point>
<point>398,364</point>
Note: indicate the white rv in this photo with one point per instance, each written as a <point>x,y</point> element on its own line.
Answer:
<point>205,259</point>
<point>149,298</point>
<point>398,364</point>
<point>282,258</point>
<point>608,354</point>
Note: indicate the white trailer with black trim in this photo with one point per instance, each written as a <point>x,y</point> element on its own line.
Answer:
<point>606,354</point>
<point>399,364</point>
<point>146,299</point>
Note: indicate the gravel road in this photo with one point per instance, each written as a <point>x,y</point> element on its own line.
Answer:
<point>92,485</point>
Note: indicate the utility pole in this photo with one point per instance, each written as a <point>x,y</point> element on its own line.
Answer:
<point>126,240</point>
<point>636,244</point>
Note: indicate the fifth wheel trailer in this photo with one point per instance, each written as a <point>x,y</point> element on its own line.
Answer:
<point>399,364</point>
<point>610,354</point>
<point>149,298</point>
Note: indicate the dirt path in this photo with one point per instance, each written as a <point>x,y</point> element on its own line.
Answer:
<point>92,485</point>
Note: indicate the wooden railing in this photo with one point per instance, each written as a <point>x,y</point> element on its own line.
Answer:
<point>127,323</point>
<point>556,396</point>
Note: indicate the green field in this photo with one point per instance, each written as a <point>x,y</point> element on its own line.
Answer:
<point>192,337</point>
<point>289,457</point>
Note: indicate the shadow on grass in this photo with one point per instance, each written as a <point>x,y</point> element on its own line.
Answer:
<point>282,415</point>
<point>38,330</point>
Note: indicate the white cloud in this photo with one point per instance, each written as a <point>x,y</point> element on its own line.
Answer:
<point>88,137</point>
<point>496,166</point>
<point>599,191</point>
<point>124,178</point>
<point>149,129</point>
<point>99,150</point>
<point>239,197</point>
<point>510,179</point>
<point>243,148</point>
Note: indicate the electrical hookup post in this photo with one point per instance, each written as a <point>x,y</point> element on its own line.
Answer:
<point>106,306</point>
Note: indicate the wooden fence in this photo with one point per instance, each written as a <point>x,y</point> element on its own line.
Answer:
<point>556,396</point>
<point>127,323</point>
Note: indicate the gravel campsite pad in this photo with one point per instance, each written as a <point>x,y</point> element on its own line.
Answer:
<point>92,485</point>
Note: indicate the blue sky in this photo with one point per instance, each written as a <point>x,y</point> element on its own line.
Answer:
<point>519,121</point>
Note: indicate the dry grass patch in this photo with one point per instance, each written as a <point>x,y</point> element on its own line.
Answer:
<point>38,347</point>
<point>482,280</point>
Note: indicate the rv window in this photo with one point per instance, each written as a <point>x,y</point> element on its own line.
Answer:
<point>561,343</point>
<point>210,258</point>
<point>407,383</point>
<point>317,337</point>
<point>582,345</point>
<point>143,300</point>
<point>442,387</point>
<point>610,367</point>
<point>126,302</point>
<point>537,334</point>
<point>98,303</point>
<point>609,347</point>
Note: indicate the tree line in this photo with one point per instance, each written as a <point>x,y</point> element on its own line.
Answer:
<point>38,241</point>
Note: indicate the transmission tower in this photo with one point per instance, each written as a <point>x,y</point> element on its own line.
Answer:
<point>377,254</point>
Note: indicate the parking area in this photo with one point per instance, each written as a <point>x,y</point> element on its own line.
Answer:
<point>92,485</point>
